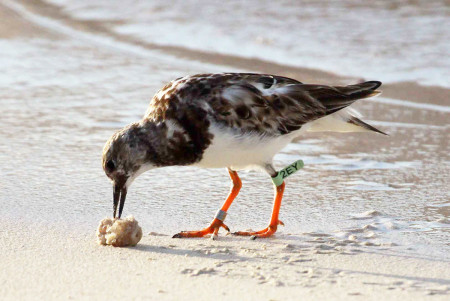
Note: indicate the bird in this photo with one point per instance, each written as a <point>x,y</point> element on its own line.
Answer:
<point>236,121</point>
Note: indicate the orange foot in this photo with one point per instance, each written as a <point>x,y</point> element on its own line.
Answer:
<point>213,229</point>
<point>267,232</point>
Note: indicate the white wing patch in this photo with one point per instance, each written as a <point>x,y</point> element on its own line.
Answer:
<point>336,122</point>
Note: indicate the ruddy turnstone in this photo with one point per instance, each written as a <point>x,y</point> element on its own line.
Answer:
<point>232,120</point>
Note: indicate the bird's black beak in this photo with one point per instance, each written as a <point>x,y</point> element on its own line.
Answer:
<point>119,193</point>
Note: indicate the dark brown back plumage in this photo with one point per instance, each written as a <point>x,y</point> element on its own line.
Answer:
<point>246,102</point>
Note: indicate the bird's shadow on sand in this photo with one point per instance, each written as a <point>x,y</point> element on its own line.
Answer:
<point>195,250</point>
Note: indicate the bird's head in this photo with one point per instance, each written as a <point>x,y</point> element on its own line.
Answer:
<point>124,158</point>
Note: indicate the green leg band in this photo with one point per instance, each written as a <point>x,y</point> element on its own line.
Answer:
<point>286,172</point>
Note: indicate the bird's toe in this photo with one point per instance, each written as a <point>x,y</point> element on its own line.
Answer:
<point>178,235</point>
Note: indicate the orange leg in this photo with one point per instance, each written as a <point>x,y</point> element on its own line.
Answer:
<point>274,221</point>
<point>217,222</point>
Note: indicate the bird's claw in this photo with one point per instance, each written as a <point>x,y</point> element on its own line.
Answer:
<point>264,233</point>
<point>212,229</point>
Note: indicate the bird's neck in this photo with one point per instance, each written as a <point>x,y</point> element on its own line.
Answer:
<point>165,143</point>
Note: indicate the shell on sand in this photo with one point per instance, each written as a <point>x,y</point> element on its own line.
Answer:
<point>119,232</point>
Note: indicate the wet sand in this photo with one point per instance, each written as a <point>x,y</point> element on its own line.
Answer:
<point>361,222</point>
<point>404,90</point>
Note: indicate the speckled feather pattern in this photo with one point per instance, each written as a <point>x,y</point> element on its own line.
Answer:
<point>263,104</point>
<point>176,129</point>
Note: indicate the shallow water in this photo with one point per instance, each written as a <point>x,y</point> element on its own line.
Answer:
<point>63,97</point>
<point>395,40</point>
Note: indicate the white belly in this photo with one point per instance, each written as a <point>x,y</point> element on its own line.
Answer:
<point>241,151</point>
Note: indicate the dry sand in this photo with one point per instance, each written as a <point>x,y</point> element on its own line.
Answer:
<point>39,262</point>
<point>48,264</point>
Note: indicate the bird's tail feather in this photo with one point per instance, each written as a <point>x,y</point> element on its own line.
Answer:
<point>336,100</point>
<point>358,122</point>
<point>339,97</point>
<point>346,120</point>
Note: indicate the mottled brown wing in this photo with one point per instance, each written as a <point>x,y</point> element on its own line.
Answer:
<point>202,89</point>
<point>247,102</point>
<point>282,107</point>
<point>279,110</point>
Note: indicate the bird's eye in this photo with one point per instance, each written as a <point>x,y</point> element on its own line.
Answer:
<point>110,165</point>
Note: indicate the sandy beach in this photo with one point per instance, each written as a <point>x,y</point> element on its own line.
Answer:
<point>57,266</point>
<point>367,219</point>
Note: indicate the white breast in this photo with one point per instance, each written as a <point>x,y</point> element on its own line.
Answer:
<point>229,149</point>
